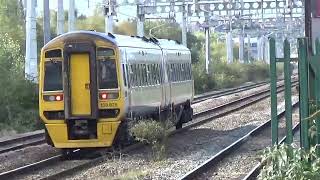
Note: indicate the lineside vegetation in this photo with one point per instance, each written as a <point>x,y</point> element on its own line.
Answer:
<point>290,161</point>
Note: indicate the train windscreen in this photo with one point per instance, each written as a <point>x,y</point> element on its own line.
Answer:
<point>53,76</point>
<point>107,74</point>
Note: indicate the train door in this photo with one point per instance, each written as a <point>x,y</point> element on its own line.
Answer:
<point>126,78</point>
<point>129,59</point>
<point>80,84</point>
<point>166,81</point>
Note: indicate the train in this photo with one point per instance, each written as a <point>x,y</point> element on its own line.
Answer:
<point>93,86</point>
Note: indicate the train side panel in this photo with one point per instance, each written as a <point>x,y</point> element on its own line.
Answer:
<point>180,78</point>
<point>145,87</point>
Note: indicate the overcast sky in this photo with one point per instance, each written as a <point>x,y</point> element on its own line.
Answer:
<point>86,7</point>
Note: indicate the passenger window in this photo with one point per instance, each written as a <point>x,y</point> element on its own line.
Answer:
<point>145,80</point>
<point>107,74</point>
<point>179,69</point>
<point>161,72</point>
<point>176,72</point>
<point>153,74</point>
<point>158,74</point>
<point>132,75</point>
<point>149,75</point>
<point>124,75</point>
<point>127,75</point>
<point>183,72</point>
<point>168,72</point>
<point>172,71</point>
<point>142,75</point>
<point>137,74</point>
<point>53,76</point>
<point>187,71</point>
<point>190,71</point>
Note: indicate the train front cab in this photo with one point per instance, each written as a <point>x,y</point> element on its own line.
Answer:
<point>80,97</point>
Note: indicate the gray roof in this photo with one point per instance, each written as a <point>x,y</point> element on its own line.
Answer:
<point>121,40</point>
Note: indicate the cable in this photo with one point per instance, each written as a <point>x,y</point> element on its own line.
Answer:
<point>127,15</point>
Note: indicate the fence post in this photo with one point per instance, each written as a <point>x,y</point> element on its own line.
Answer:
<point>303,92</point>
<point>287,91</point>
<point>273,87</point>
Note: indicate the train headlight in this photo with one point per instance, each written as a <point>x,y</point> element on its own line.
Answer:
<point>58,97</point>
<point>52,98</point>
<point>104,96</point>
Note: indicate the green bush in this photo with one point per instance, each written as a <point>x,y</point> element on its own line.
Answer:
<point>154,133</point>
<point>19,99</point>
<point>287,162</point>
<point>225,75</point>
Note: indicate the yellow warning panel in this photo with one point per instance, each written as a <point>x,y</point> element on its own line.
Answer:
<point>80,84</point>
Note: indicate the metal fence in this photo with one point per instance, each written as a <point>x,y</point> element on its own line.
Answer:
<point>309,92</point>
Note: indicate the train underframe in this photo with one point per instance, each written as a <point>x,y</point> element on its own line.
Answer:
<point>177,114</point>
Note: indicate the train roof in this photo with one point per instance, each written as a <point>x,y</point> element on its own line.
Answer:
<point>122,40</point>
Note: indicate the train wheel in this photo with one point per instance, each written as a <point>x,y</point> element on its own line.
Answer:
<point>179,125</point>
<point>66,153</point>
<point>47,137</point>
<point>123,137</point>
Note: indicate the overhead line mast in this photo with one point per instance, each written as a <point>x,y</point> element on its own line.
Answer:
<point>46,22</point>
<point>31,70</point>
<point>109,12</point>
<point>60,18</point>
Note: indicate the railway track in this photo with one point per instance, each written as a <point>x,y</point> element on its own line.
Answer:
<point>55,164</point>
<point>206,169</point>
<point>36,138</point>
<point>28,139</point>
<point>253,174</point>
<point>225,92</point>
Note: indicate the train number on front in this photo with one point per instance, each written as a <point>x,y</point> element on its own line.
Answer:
<point>109,104</point>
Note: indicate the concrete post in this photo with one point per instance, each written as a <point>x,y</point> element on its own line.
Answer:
<point>46,22</point>
<point>31,70</point>
<point>315,31</point>
<point>71,16</point>
<point>241,48</point>
<point>108,24</point>
<point>207,34</point>
<point>266,50</point>
<point>249,48</point>
<point>261,48</point>
<point>60,18</point>
<point>184,24</point>
<point>229,44</point>
<point>140,27</point>
<point>141,18</point>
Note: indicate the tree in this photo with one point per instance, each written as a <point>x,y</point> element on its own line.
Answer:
<point>126,28</point>
<point>12,20</point>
